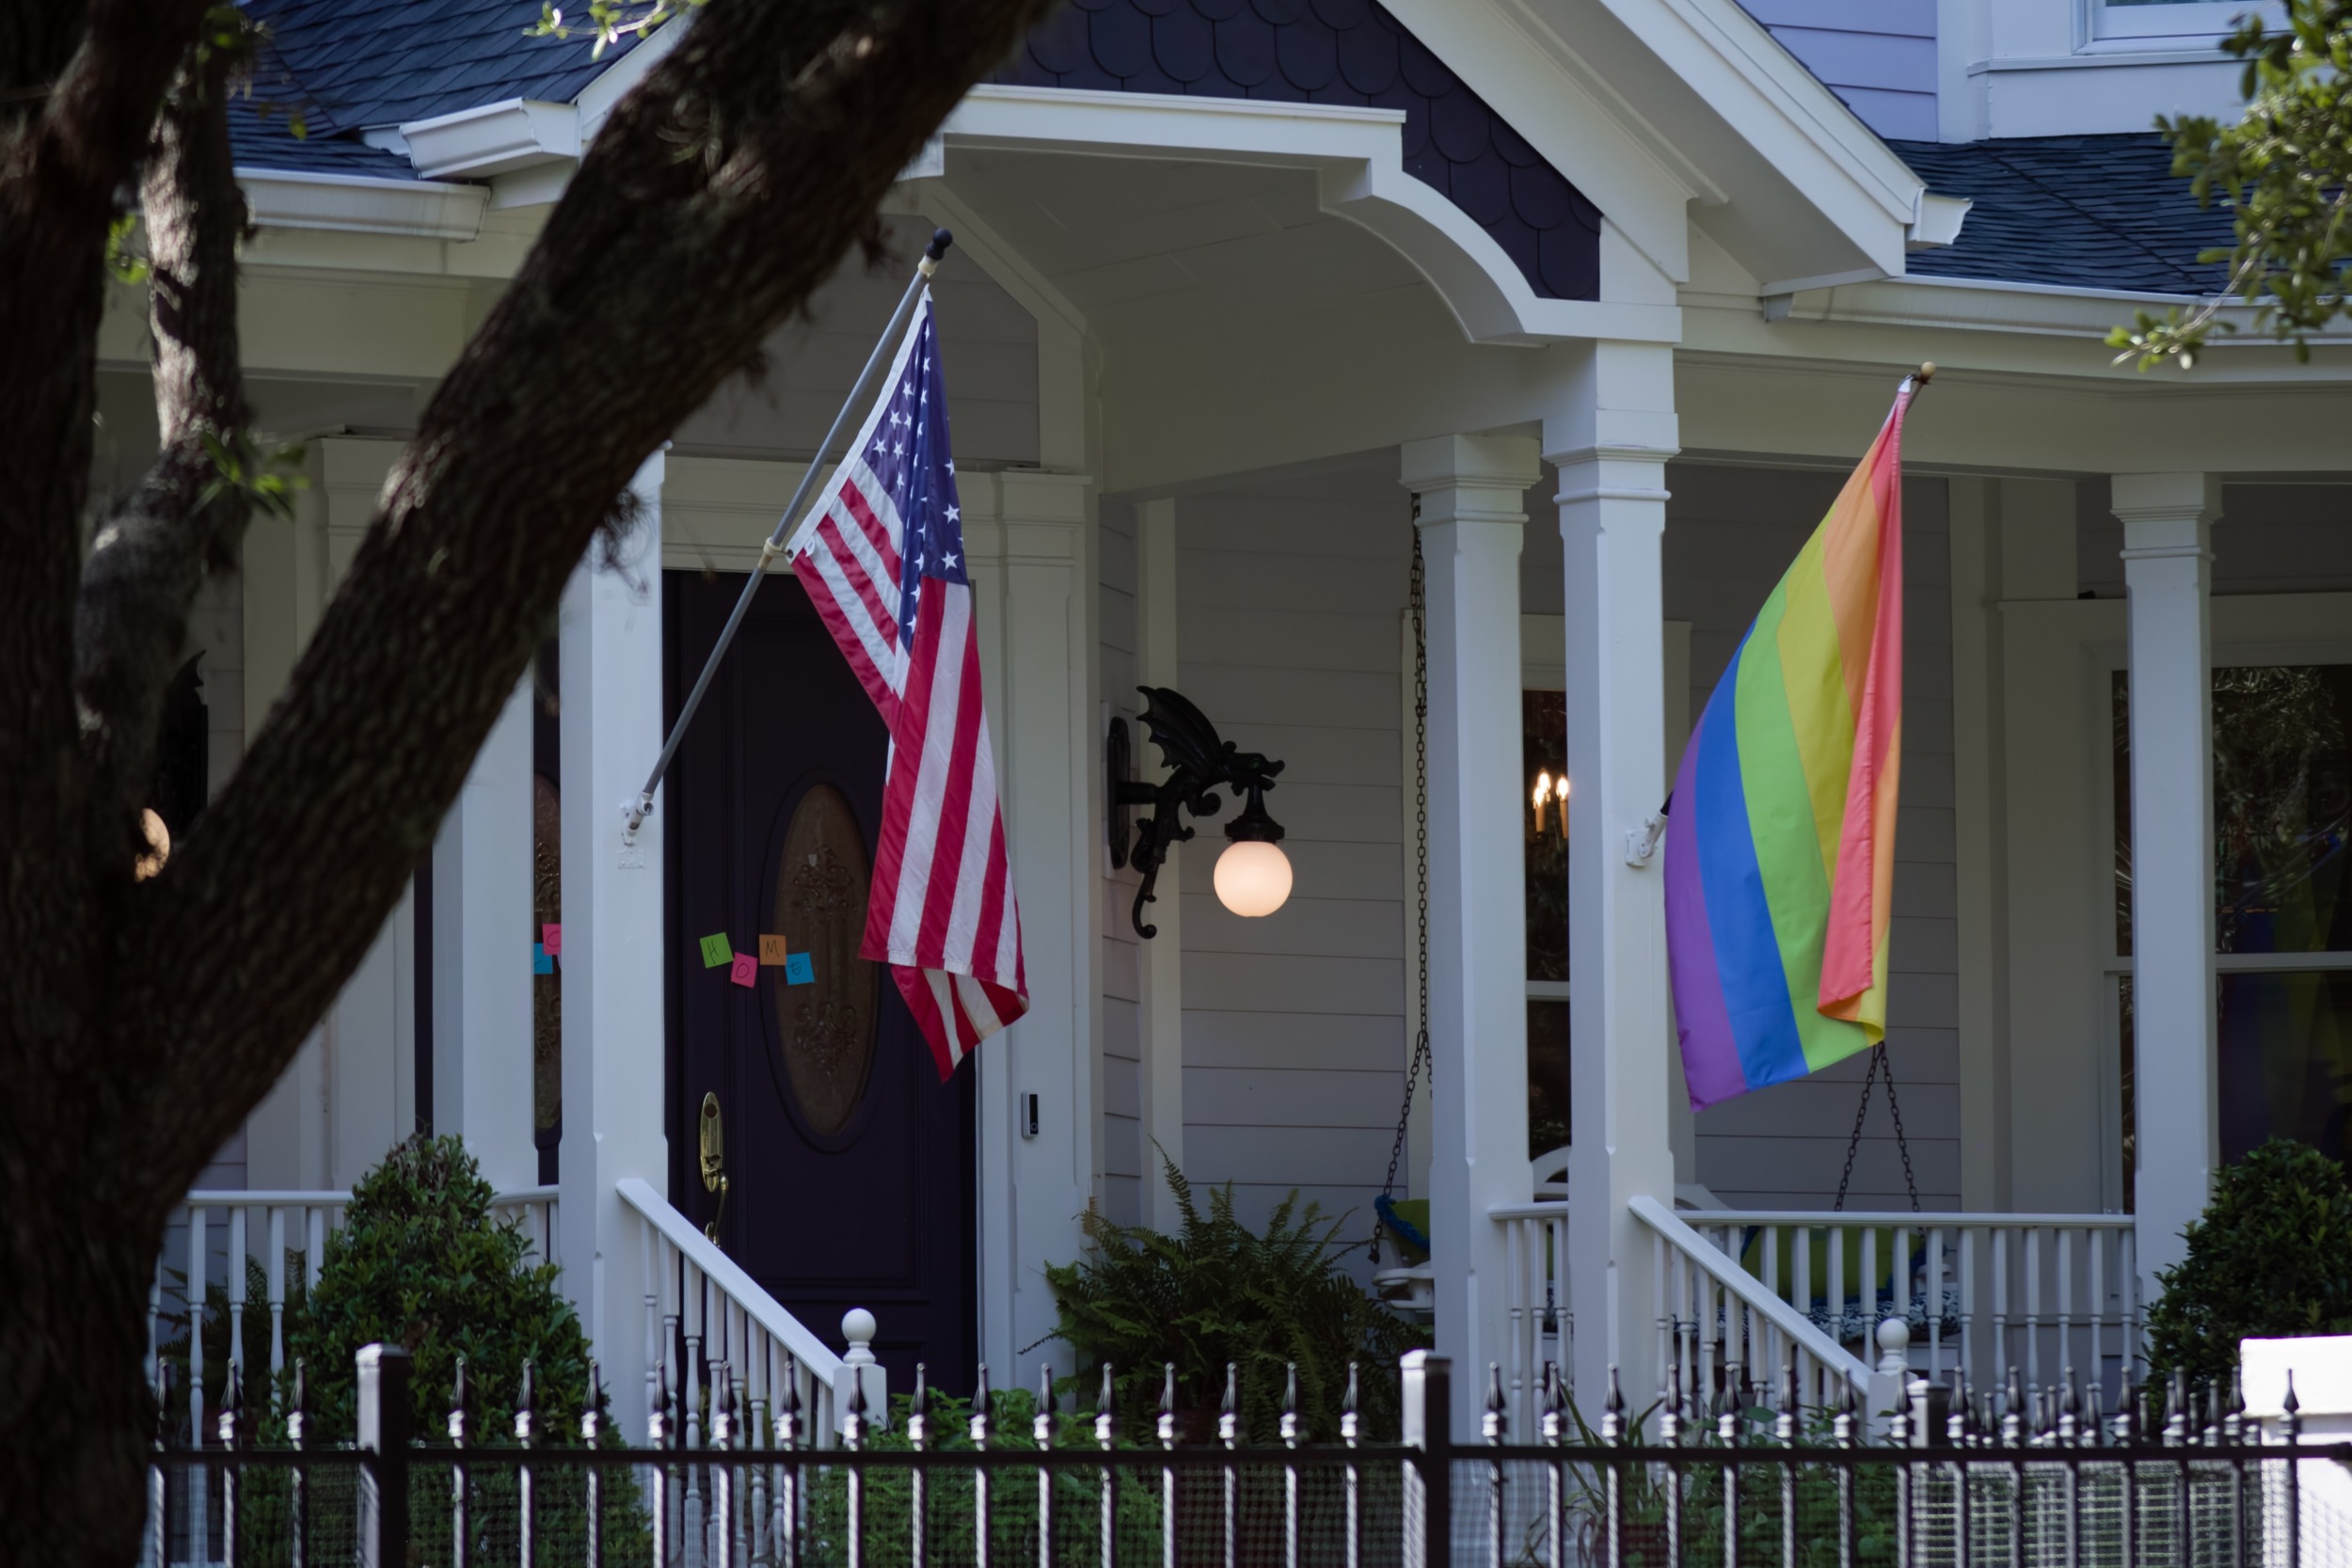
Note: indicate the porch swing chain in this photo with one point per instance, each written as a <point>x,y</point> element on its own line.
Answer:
<point>1902,1144</point>
<point>1421,867</point>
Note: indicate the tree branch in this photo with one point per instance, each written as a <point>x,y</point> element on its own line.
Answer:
<point>723,191</point>
<point>150,557</point>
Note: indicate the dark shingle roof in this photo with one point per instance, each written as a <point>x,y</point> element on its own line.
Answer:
<point>261,136</point>
<point>346,65</point>
<point>2087,211</point>
<point>367,63</point>
<point>1334,52</point>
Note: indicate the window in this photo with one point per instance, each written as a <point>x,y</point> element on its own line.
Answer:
<point>2161,23</point>
<point>2282,925</point>
<point>1543,752</point>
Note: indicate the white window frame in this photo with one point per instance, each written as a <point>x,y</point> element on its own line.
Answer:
<point>2233,653</point>
<point>2182,22</point>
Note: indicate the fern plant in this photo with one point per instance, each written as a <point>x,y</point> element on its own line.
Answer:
<point>1217,1292</point>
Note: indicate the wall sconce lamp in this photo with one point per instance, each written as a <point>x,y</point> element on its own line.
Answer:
<point>1253,875</point>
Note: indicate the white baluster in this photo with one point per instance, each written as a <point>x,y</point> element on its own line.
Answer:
<point>236,1291</point>
<point>1837,1283</point>
<point>2061,1253</point>
<point>273,1270</point>
<point>314,1246</point>
<point>1968,1365</point>
<point>2033,1306</point>
<point>1802,1296</point>
<point>2001,1354</point>
<point>1936,1302</point>
<point>199,1506</point>
<point>2099,1302</point>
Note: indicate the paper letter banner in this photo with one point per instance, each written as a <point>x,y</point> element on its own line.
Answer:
<point>716,951</point>
<point>1780,843</point>
<point>744,970</point>
<point>551,938</point>
<point>798,971</point>
<point>773,951</point>
<point>542,962</point>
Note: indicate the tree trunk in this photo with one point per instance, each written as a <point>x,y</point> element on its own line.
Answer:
<point>140,1020</point>
<point>81,1414</point>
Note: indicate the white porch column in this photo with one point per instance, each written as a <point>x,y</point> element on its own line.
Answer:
<point>613,966</point>
<point>1610,443</point>
<point>481,937</point>
<point>1030,551</point>
<point>1471,492</point>
<point>2168,554</point>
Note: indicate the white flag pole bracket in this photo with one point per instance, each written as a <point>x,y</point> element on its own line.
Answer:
<point>1641,843</point>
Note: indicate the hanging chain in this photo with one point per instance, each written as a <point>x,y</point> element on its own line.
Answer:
<point>1421,865</point>
<point>1903,1144</point>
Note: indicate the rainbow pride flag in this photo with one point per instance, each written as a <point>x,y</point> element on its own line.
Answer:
<point>1780,844</point>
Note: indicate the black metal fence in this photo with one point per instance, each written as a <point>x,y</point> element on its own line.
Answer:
<point>1749,1479</point>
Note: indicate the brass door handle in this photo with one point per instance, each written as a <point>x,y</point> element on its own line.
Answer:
<point>714,1160</point>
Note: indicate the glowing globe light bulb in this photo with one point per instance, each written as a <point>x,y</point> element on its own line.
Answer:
<point>1253,878</point>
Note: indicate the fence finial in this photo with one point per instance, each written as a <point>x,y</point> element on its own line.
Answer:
<point>1229,1412</point>
<point>1048,1407</point>
<point>233,1408</point>
<point>1289,1418</point>
<point>1106,1411</point>
<point>526,1407</point>
<point>1349,1425</point>
<point>592,1406</point>
<point>982,1409</point>
<point>298,1405</point>
<point>1167,1405</point>
<point>2013,1411</point>
<point>458,1403</point>
<point>920,1410</point>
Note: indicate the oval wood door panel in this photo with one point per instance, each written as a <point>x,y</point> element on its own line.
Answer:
<point>825,1029</point>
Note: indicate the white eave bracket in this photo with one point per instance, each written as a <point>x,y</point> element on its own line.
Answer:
<point>1935,221</point>
<point>495,138</point>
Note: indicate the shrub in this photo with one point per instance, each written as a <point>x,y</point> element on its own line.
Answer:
<point>1215,1292</point>
<point>420,1263</point>
<point>2271,1258</point>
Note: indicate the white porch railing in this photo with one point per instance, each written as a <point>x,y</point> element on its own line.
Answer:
<point>1535,1286</point>
<point>1983,1291</point>
<point>730,1325</point>
<point>211,1236</point>
<point>1713,1313</point>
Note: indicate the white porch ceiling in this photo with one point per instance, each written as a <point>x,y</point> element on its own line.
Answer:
<point>1146,248</point>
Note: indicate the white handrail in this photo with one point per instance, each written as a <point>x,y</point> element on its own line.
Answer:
<point>1981,1289</point>
<point>728,1275</point>
<point>1978,1219</point>
<point>1713,1315</point>
<point>745,1330</point>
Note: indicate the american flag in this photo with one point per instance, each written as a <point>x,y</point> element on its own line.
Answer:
<point>883,562</point>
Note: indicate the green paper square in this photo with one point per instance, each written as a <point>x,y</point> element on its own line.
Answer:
<point>716,952</point>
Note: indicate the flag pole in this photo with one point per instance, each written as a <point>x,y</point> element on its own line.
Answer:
<point>1641,843</point>
<point>633,812</point>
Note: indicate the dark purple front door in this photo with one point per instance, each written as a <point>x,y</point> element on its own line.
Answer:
<point>850,1166</point>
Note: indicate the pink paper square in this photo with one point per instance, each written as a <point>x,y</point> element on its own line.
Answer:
<point>551,938</point>
<point>744,970</point>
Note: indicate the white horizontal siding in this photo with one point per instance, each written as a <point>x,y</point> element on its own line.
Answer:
<point>1878,55</point>
<point>1288,598</point>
